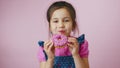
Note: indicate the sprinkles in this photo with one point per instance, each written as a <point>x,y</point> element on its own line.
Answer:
<point>59,40</point>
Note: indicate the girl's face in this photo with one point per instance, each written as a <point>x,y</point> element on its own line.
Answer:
<point>61,22</point>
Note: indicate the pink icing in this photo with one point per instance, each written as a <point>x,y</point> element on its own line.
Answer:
<point>59,39</point>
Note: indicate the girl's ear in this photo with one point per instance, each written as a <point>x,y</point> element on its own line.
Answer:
<point>50,30</point>
<point>50,33</point>
<point>73,27</point>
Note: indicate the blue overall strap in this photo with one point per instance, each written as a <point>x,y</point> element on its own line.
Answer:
<point>41,43</point>
<point>81,39</point>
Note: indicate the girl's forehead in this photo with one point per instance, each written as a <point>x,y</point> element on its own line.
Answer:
<point>61,13</point>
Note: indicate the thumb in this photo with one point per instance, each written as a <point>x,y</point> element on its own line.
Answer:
<point>70,45</point>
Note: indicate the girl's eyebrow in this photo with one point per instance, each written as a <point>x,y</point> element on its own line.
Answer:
<point>66,17</point>
<point>54,18</point>
<point>63,18</point>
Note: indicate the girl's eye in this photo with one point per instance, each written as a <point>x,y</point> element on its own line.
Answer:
<point>66,20</point>
<point>55,21</point>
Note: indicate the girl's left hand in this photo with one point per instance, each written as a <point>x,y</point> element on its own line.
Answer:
<point>73,46</point>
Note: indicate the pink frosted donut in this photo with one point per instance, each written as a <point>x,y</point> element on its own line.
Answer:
<point>59,40</point>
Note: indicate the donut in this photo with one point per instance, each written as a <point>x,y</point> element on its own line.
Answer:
<point>59,40</point>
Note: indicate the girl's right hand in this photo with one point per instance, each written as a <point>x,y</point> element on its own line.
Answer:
<point>49,49</point>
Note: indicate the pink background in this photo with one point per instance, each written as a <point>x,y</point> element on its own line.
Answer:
<point>23,23</point>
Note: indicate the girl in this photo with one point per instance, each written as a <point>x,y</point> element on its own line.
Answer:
<point>74,54</point>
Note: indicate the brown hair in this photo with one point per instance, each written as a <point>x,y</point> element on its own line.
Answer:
<point>68,6</point>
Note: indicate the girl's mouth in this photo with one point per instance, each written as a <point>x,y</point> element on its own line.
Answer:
<point>61,31</point>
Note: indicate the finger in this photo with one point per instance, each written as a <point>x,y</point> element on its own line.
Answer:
<point>70,45</point>
<point>47,44</point>
<point>72,39</point>
<point>51,46</point>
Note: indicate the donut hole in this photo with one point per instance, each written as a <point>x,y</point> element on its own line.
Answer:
<point>59,38</point>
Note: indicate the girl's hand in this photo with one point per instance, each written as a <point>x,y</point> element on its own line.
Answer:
<point>49,49</point>
<point>73,46</point>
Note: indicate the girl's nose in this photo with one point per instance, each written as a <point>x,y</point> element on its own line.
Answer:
<point>61,24</point>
